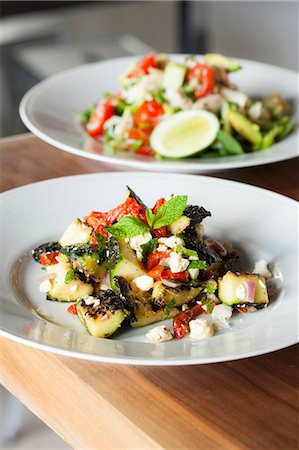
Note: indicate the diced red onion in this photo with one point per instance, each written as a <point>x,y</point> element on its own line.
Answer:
<point>48,276</point>
<point>105,282</point>
<point>217,247</point>
<point>250,291</point>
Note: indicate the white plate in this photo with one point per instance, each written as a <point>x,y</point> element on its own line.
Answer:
<point>261,223</point>
<point>49,109</point>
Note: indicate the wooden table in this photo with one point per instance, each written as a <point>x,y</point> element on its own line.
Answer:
<point>251,403</point>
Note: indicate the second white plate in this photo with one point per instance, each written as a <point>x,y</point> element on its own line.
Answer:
<point>49,111</point>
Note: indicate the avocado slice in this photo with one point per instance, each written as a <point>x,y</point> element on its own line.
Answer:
<point>247,129</point>
<point>235,289</point>
<point>218,60</point>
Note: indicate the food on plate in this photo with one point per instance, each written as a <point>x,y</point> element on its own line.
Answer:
<point>136,265</point>
<point>166,108</point>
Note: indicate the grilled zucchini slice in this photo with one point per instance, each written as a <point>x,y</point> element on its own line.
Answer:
<point>102,315</point>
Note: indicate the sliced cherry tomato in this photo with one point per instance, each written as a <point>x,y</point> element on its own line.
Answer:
<point>146,116</point>
<point>72,309</point>
<point>138,135</point>
<point>205,75</point>
<point>155,258</point>
<point>145,150</point>
<point>156,272</point>
<point>143,66</point>
<point>103,112</point>
<point>49,258</point>
<point>182,319</point>
<point>179,276</point>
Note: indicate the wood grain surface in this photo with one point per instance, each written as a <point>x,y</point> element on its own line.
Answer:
<point>246,404</point>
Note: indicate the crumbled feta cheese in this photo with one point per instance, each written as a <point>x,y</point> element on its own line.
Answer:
<point>200,329</point>
<point>136,242</point>
<point>162,248</point>
<point>171,241</point>
<point>193,273</point>
<point>221,315</point>
<point>261,268</point>
<point>159,334</point>
<point>89,300</point>
<point>176,262</point>
<point>117,126</point>
<point>73,288</point>
<point>185,307</point>
<point>144,282</point>
<point>45,286</point>
<point>240,292</point>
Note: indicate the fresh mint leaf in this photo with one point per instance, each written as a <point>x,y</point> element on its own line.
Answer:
<point>170,211</point>
<point>148,248</point>
<point>197,264</point>
<point>127,227</point>
<point>69,276</point>
<point>150,217</point>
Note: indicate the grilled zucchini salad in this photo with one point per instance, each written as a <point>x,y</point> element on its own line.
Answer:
<point>135,266</point>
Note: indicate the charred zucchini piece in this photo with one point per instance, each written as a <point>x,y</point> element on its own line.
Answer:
<point>135,197</point>
<point>87,260</point>
<point>196,214</point>
<point>145,314</point>
<point>102,315</point>
<point>66,286</point>
<point>242,289</point>
<point>164,296</point>
<point>48,247</point>
<point>204,252</point>
<point>122,261</point>
<point>76,233</point>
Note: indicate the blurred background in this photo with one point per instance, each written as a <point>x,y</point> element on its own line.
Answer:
<point>41,38</point>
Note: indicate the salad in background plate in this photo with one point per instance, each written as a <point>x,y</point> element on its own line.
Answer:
<point>175,110</point>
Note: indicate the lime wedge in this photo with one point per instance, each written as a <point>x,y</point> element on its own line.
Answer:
<point>185,133</point>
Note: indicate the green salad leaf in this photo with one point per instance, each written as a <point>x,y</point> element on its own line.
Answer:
<point>197,264</point>
<point>230,144</point>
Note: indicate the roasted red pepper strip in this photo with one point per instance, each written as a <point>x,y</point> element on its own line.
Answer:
<point>72,309</point>
<point>179,276</point>
<point>49,258</point>
<point>100,220</point>
<point>205,75</point>
<point>158,203</point>
<point>182,319</point>
<point>156,272</point>
<point>154,259</point>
